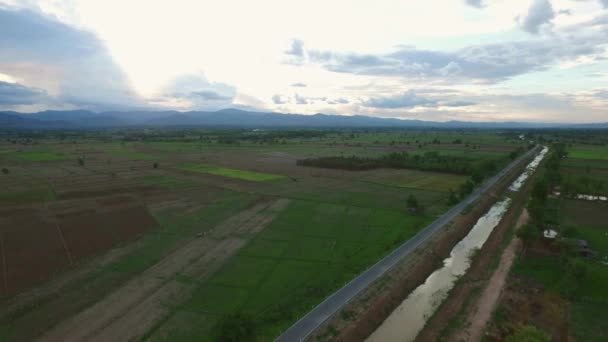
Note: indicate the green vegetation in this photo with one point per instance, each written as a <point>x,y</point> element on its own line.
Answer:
<point>232,173</point>
<point>336,225</point>
<point>41,155</point>
<point>567,269</point>
<point>321,245</point>
<point>529,333</point>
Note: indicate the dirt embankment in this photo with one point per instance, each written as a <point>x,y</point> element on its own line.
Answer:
<point>475,276</point>
<point>367,312</point>
<point>477,319</point>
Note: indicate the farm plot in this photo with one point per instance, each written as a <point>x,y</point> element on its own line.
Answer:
<point>33,251</point>
<point>586,152</point>
<point>309,250</point>
<point>431,181</point>
<point>232,173</point>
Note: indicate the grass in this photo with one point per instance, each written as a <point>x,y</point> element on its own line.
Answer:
<point>41,155</point>
<point>584,152</point>
<point>32,194</point>
<point>307,252</point>
<point>167,182</point>
<point>97,283</point>
<point>232,173</point>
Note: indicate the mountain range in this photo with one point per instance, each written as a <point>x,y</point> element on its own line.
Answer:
<point>231,117</point>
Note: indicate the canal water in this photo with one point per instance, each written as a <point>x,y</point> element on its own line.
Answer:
<point>408,319</point>
<point>517,184</point>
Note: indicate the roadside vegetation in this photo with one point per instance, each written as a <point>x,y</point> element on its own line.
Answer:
<point>558,282</point>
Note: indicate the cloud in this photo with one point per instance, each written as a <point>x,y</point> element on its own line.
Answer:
<point>12,94</point>
<point>200,93</point>
<point>298,84</point>
<point>339,100</point>
<point>458,104</point>
<point>210,95</point>
<point>540,13</point>
<point>78,69</point>
<point>477,3</point>
<point>296,49</point>
<point>604,3</point>
<point>301,99</point>
<point>408,99</point>
<point>279,99</point>
<point>481,63</point>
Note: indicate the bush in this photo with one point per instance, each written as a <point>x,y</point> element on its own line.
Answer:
<point>5,171</point>
<point>237,327</point>
<point>529,333</point>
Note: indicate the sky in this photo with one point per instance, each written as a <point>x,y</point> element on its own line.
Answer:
<point>438,60</point>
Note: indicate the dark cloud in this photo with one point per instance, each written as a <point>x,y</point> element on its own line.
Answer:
<point>409,99</point>
<point>487,63</point>
<point>339,100</point>
<point>540,13</point>
<point>13,94</point>
<point>210,95</point>
<point>298,84</point>
<point>477,3</point>
<point>458,104</point>
<point>83,69</point>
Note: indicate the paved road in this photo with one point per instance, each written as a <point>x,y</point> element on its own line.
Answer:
<point>332,304</point>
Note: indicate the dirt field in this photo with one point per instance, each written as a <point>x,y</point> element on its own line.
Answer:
<point>130,312</point>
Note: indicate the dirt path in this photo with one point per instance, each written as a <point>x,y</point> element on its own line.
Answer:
<point>486,304</point>
<point>129,312</point>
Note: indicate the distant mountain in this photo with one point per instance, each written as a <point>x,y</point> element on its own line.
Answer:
<point>238,118</point>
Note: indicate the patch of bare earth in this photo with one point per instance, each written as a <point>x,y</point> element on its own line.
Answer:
<point>128,313</point>
<point>486,304</point>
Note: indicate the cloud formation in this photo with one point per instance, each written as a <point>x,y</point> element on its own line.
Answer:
<point>540,13</point>
<point>477,3</point>
<point>83,73</point>
<point>482,63</point>
<point>12,94</point>
<point>408,99</point>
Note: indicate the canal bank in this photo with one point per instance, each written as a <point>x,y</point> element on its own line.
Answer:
<point>364,314</point>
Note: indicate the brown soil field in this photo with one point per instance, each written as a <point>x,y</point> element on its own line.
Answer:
<point>41,240</point>
<point>132,310</point>
<point>32,254</point>
<point>367,312</point>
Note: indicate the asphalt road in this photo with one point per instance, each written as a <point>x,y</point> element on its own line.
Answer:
<point>332,304</point>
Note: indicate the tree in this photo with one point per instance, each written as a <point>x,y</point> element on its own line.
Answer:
<point>155,165</point>
<point>529,333</point>
<point>412,202</point>
<point>81,161</point>
<point>235,328</point>
<point>452,199</point>
<point>5,171</point>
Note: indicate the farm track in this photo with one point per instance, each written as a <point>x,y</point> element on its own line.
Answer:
<point>486,304</point>
<point>133,309</point>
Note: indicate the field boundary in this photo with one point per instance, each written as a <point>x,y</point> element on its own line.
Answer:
<point>310,322</point>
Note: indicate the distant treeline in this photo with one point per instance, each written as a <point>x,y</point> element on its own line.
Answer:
<point>429,161</point>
